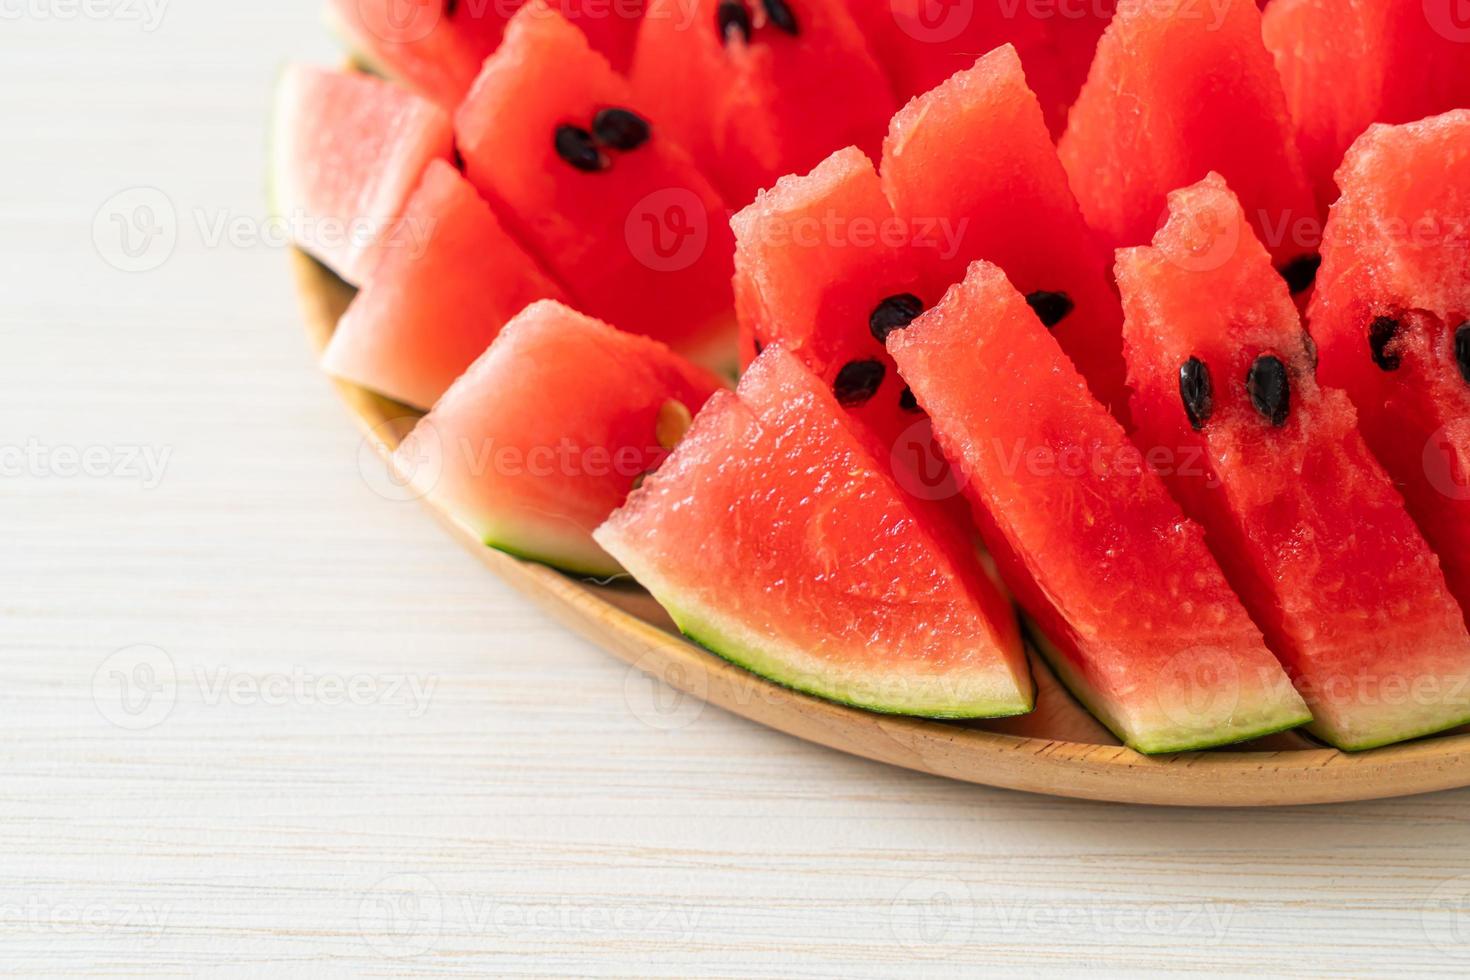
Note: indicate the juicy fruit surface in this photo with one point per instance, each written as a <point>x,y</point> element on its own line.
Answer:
<point>1346,64</point>
<point>973,174</point>
<point>1180,89</point>
<point>547,433</point>
<point>441,290</point>
<point>437,46</point>
<point>816,257</point>
<point>644,241</point>
<point>773,537</point>
<point>1393,291</point>
<point>421,42</point>
<point>752,106</point>
<point>1306,525</point>
<point>348,150</point>
<point>1149,634</point>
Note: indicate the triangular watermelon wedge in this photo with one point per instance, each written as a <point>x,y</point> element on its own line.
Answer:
<point>775,538</point>
<point>973,174</point>
<point>347,151</point>
<point>1178,89</point>
<point>437,47</point>
<point>1307,526</point>
<point>444,284</point>
<point>598,191</point>
<point>1138,619</point>
<point>547,432</point>
<point>1346,64</point>
<point>1391,317</point>
<point>748,86</point>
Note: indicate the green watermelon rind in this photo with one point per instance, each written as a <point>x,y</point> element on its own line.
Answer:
<point>562,561</point>
<point>1380,740</point>
<point>721,642</point>
<point>1162,742</point>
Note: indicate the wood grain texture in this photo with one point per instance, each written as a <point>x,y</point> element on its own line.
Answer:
<point>545,810</point>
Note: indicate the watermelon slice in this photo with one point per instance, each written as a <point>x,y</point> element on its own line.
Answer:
<point>1348,63</point>
<point>823,268</point>
<point>1179,89</point>
<point>438,46</point>
<point>1390,317</point>
<point>1306,525</point>
<point>1137,616</point>
<point>434,46</point>
<point>920,43</point>
<point>747,86</point>
<point>547,433</point>
<point>775,539</point>
<point>347,152</point>
<point>439,294</point>
<point>551,135</point>
<point>972,173</point>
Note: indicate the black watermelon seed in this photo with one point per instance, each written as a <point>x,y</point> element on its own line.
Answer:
<point>451,7</point>
<point>575,145</point>
<point>781,16</point>
<point>908,402</point>
<point>759,347</point>
<point>621,129</point>
<point>459,163</point>
<point>1310,346</point>
<point>732,18</point>
<point>1462,349</point>
<point>1270,389</point>
<point>1051,308</point>
<point>1381,332</point>
<point>1300,273</point>
<point>857,382</point>
<point>894,313</point>
<point>1197,392</point>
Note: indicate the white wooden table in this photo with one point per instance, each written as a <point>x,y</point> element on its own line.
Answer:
<point>256,718</point>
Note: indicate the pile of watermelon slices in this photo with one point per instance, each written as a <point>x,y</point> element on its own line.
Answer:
<point>1138,335</point>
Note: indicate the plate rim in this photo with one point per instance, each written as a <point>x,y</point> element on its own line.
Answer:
<point>1219,778</point>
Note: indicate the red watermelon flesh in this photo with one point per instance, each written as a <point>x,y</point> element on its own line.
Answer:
<point>1307,526</point>
<point>1390,315</point>
<point>434,46</point>
<point>1179,89</point>
<point>1346,64</point>
<point>757,90</point>
<point>640,237</point>
<point>545,435</point>
<point>819,260</point>
<point>1140,621</point>
<point>447,281</point>
<point>438,46</point>
<point>971,171</point>
<point>347,152</point>
<point>775,539</point>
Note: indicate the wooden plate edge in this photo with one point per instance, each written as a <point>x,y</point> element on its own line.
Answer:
<point>1094,772</point>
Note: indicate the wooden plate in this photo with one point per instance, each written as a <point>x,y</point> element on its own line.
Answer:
<point>1058,749</point>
